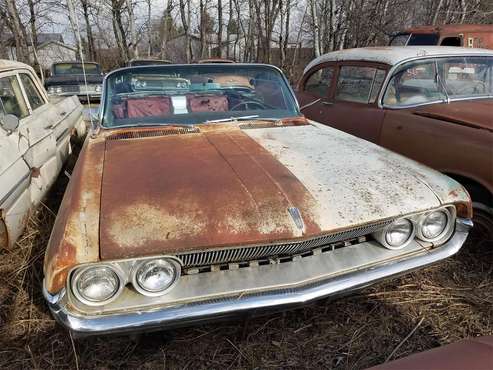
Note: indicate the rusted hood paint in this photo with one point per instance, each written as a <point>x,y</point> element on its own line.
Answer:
<point>472,113</point>
<point>195,191</point>
<point>228,186</point>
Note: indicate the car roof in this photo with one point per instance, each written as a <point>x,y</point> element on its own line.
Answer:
<point>393,55</point>
<point>7,65</point>
<point>452,28</point>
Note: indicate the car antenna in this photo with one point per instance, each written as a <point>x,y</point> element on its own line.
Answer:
<point>71,10</point>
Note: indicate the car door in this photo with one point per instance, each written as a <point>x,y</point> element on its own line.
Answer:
<point>58,118</point>
<point>354,107</point>
<point>314,92</point>
<point>15,173</point>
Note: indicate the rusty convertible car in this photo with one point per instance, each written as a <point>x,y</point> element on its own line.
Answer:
<point>35,137</point>
<point>196,199</point>
<point>433,104</point>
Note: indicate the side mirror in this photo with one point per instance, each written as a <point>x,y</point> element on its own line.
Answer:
<point>9,122</point>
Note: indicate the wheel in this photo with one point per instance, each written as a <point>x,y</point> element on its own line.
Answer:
<point>482,202</point>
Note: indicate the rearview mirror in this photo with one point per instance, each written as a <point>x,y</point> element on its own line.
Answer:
<point>9,122</point>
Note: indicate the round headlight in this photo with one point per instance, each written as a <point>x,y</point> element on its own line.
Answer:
<point>399,233</point>
<point>58,90</point>
<point>396,235</point>
<point>433,225</point>
<point>153,277</point>
<point>96,285</point>
<point>98,88</point>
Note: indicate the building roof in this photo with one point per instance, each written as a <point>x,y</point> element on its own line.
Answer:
<point>42,38</point>
<point>392,55</point>
<point>452,28</point>
<point>45,44</point>
<point>6,65</point>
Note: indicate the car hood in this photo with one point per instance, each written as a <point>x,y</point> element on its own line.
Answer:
<point>472,113</point>
<point>181,190</point>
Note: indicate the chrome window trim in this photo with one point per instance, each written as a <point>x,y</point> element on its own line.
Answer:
<point>393,68</point>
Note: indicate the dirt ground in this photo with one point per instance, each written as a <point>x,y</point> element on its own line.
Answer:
<point>441,304</point>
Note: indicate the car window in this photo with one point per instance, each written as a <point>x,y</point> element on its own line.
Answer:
<point>319,83</point>
<point>195,94</point>
<point>436,80</point>
<point>355,83</point>
<point>11,99</point>
<point>33,95</point>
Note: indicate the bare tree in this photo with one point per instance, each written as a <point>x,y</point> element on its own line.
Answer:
<point>21,47</point>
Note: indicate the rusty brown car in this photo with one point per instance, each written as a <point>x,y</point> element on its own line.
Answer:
<point>200,196</point>
<point>465,35</point>
<point>432,104</point>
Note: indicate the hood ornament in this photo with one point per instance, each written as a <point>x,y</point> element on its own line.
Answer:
<point>296,216</point>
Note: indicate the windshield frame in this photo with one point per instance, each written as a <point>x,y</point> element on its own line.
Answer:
<point>232,66</point>
<point>396,67</point>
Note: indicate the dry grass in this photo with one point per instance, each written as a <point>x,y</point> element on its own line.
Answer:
<point>439,305</point>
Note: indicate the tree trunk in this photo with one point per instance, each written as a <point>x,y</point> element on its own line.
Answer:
<point>228,31</point>
<point>120,36</point>
<point>21,48</point>
<point>185,19</point>
<point>220,28</point>
<point>167,28</point>
<point>133,50</point>
<point>315,28</point>
<point>90,38</point>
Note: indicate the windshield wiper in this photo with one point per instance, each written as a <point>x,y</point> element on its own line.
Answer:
<point>230,119</point>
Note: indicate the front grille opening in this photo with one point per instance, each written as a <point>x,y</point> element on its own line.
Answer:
<point>283,258</point>
<point>128,135</point>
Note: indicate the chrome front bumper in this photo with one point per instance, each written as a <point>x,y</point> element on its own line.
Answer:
<point>288,295</point>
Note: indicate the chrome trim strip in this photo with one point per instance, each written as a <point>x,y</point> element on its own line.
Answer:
<point>251,252</point>
<point>14,188</point>
<point>186,314</point>
<point>394,67</point>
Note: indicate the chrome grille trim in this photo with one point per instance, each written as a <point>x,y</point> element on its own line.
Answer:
<point>127,135</point>
<point>272,260</point>
<point>252,252</point>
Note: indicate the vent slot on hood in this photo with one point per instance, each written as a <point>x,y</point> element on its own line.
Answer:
<point>128,135</point>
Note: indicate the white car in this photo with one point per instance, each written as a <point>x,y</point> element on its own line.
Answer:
<point>34,143</point>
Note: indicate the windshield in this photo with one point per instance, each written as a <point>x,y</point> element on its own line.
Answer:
<point>76,69</point>
<point>436,80</point>
<point>423,39</point>
<point>192,94</point>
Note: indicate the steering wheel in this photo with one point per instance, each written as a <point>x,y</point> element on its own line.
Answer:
<point>249,103</point>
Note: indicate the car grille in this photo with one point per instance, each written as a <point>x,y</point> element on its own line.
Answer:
<point>70,88</point>
<point>255,252</point>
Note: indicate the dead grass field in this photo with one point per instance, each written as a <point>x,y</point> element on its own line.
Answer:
<point>443,304</point>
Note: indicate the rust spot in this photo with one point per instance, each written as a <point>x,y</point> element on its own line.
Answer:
<point>207,190</point>
<point>74,238</point>
<point>4,235</point>
<point>35,172</point>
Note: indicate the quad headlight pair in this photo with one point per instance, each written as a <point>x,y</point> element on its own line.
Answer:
<point>432,226</point>
<point>102,283</point>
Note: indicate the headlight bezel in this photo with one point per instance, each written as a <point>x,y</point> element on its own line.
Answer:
<point>125,270</point>
<point>444,234</point>
<point>381,235</point>
<point>140,264</point>
<point>78,273</point>
<point>417,220</point>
